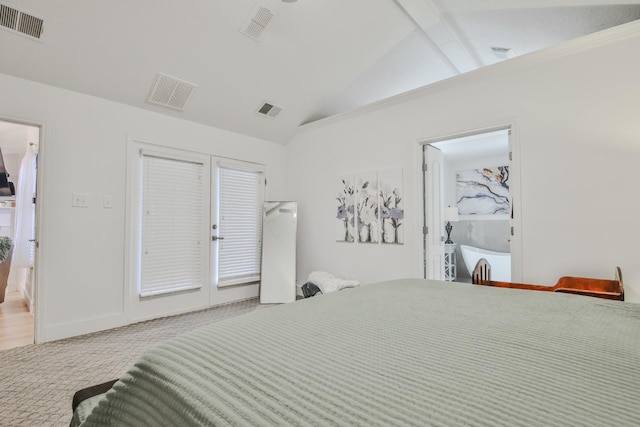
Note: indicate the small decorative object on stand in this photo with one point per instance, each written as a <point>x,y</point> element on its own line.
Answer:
<point>450,215</point>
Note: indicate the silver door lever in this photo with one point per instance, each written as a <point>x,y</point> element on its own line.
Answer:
<point>216,238</point>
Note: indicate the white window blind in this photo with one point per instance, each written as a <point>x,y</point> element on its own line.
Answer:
<point>173,215</point>
<point>241,199</point>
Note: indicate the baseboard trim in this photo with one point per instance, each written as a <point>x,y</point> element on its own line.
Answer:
<point>111,321</point>
<point>87,326</point>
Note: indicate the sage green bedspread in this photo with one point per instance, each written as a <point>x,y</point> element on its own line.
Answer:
<point>406,352</point>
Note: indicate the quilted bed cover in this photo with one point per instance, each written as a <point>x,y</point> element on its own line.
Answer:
<point>405,352</point>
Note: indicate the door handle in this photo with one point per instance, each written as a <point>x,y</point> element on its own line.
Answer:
<point>214,238</point>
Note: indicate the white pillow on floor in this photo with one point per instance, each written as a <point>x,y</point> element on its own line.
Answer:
<point>328,283</point>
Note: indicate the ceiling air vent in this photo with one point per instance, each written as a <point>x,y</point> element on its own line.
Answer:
<point>20,22</point>
<point>503,52</point>
<point>256,22</point>
<point>170,92</point>
<point>269,110</point>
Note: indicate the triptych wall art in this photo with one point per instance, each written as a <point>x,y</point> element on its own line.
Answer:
<point>483,191</point>
<point>370,207</point>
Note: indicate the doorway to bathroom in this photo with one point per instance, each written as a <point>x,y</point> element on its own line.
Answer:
<point>469,213</point>
<point>19,143</point>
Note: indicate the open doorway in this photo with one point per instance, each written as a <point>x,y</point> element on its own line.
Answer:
<point>19,143</point>
<point>468,205</point>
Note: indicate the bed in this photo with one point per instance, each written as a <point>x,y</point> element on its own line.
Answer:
<point>405,352</point>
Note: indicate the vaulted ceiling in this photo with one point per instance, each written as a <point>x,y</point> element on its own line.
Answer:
<point>312,59</point>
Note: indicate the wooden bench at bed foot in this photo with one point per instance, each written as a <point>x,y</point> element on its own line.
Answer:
<point>86,393</point>
<point>599,288</point>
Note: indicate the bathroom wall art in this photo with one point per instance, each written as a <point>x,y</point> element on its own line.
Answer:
<point>367,208</point>
<point>391,205</point>
<point>345,215</point>
<point>483,191</point>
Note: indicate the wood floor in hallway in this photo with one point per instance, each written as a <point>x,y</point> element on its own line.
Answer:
<point>16,323</point>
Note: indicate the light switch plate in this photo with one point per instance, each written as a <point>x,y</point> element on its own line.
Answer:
<point>107,202</point>
<point>80,200</point>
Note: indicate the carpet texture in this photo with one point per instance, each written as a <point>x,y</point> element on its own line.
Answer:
<point>37,382</point>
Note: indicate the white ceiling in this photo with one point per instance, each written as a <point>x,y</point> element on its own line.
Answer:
<point>315,58</point>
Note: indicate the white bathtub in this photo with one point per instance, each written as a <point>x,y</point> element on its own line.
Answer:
<point>500,262</point>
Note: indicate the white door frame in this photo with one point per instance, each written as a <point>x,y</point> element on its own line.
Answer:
<point>514,191</point>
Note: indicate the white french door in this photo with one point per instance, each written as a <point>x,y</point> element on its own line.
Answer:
<point>195,230</point>
<point>168,230</point>
<point>238,190</point>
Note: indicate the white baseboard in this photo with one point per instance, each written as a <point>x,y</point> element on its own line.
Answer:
<point>229,294</point>
<point>28,300</point>
<point>87,326</point>
<point>67,330</point>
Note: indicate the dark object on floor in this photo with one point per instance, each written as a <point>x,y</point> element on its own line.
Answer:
<point>88,392</point>
<point>309,290</point>
<point>599,288</point>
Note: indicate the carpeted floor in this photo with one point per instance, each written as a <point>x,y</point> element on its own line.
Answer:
<point>37,382</point>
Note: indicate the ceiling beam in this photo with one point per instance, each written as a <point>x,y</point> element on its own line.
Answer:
<point>426,16</point>
<point>461,6</point>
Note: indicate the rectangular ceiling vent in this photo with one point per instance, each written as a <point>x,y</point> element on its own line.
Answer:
<point>170,92</point>
<point>269,110</point>
<point>20,22</point>
<point>503,52</point>
<point>256,22</point>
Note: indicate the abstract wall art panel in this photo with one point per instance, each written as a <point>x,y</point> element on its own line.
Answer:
<point>345,212</point>
<point>368,224</point>
<point>483,191</point>
<point>391,205</point>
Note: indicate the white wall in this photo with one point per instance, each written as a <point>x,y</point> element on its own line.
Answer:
<point>81,276</point>
<point>576,127</point>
